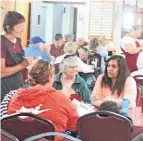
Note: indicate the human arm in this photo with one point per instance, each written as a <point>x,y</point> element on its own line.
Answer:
<point>130,49</point>
<point>84,92</point>
<point>96,96</point>
<point>8,71</point>
<point>130,91</point>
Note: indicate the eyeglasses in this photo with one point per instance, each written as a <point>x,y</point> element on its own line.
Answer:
<point>70,55</point>
<point>84,48</point>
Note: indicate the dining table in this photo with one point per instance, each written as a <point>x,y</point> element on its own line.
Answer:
<point>136,115</point>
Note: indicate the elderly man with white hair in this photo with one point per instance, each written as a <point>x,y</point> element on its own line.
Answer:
<point>69,81</point>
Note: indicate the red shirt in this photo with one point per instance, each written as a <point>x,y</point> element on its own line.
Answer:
<point>54,104</point>
<point>15,48</point>
<point>9,61</point>
<point>55,51</point>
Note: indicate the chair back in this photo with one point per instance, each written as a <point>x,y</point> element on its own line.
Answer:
<point>5,136</point>
<point>25,125</point>
<point>139,79</point>
<point>104,126</point>
<point>65,136</point>
<point>139,95</point>
<point>93,57</point>
<point>95,61</point>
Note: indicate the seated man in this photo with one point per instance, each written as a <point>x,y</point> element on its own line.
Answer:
<point>57,49</point>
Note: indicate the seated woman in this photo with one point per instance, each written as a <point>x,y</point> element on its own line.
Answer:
<point>42,97</point>
<point>83,53</point>
<point>116,84</point>
<point>69,81</point>
<point>131,48</point>
<point>95,47</point>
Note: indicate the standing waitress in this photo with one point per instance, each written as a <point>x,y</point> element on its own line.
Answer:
<point>12,62</point>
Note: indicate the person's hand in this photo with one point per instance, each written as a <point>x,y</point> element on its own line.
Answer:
<point>27,61</point>
<point>24,63</point>
<point>47,48</point>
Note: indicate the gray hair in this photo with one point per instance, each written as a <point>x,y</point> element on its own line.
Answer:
<point>69,37</point>
<point>134,27</point>
<point>70,47</point>
<point>73,60</point>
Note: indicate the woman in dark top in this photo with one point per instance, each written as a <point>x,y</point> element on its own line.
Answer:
<point>12,62</point>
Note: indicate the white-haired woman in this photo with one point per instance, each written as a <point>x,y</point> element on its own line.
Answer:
<point>69,81</point>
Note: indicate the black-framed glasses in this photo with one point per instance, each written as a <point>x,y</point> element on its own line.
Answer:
<point>70,55</point>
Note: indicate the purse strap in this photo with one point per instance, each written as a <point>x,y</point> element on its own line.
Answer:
<point>8,46</point>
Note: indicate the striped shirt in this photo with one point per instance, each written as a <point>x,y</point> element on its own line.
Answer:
<point>5,102</point>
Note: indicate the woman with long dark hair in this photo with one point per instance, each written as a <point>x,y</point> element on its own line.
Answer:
<point>115,84</point>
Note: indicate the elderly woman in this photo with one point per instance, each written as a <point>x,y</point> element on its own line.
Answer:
<point>42,97</point>
<point>116,84</point>
<point>70,82</point>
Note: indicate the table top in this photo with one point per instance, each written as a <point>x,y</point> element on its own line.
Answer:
<point>134,113</point>
<point>137,116</point>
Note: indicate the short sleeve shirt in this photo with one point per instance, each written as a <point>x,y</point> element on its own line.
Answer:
<point>15,48</point>
<point>127,40</point>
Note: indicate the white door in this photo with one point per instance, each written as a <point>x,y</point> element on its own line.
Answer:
<point>38,19</point>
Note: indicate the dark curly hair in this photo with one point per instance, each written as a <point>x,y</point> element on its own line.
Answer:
<point>40,72</point>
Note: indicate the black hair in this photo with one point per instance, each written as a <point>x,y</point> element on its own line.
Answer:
<point>109,106</point>
<point>11,19</point>
<point>123,73</point>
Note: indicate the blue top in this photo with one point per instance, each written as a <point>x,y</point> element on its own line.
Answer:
<point>104,56</point>
<point>34,51</point>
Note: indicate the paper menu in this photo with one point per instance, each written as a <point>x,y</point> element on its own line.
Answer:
<point>83,108</point>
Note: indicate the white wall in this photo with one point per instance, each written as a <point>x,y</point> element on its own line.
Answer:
<point>67,26</point>
<point>118,24</point>
<point>49,23</point>
<point>81,22</point>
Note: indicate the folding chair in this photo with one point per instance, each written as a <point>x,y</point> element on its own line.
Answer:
<point>104,126</point>
<point>25,125</point>
<point>5,136</point>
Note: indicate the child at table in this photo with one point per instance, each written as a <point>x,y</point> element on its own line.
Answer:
<point>112,107</point>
